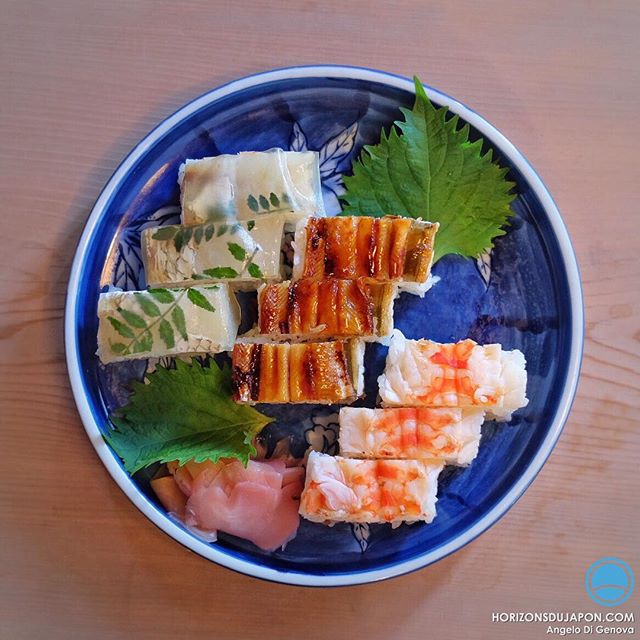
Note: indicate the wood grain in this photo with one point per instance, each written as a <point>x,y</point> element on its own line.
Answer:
<point>84,81</point>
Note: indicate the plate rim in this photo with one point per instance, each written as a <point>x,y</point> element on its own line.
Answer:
<point>124,481</point>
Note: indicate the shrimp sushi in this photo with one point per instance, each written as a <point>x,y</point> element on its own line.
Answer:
<point>251,184</point>
<point>239,253</point>
<point>422,373</point>
<point>373,491</point>
<point>448,434</point>
<point>332,307</point>
<point>387,249</point>
<point>320,373</point>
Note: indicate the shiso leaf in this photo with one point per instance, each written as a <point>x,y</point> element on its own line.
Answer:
<point>184,414</point>
<point>426,167</point>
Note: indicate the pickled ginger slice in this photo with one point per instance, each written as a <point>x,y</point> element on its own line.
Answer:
<point>319,373</point>
<point>313,309</point>
<point>341,489</point>
<point>251,184</point>
<point>240,253</point>
<point>258,502</point>
<point>387,249</point>
<point>166,322</point>
<point>448,434</point>
<point>422,373</point>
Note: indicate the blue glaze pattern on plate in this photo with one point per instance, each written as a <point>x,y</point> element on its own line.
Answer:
<point>517,295</point>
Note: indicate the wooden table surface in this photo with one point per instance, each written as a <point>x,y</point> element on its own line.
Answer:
<point>83,81</point>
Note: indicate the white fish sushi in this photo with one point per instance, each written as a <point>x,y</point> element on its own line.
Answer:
<point>448,434</point>
<point>318,372</point>
<point>329,308</point>
<point>166,322</point>
<point>422,373</point>
<point>243,253</point>
<point>341,489</point>
<point>386,249</point>
<point>251,184</point>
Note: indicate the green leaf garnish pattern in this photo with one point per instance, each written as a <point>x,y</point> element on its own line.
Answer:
<point>137,327</point>
<point>426,167</point>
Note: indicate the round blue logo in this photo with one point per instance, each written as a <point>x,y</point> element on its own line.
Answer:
<point>609,581</point>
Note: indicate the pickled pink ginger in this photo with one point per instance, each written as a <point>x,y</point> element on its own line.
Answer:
<point>258,503</point>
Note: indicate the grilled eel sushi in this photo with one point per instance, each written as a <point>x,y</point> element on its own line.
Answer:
<point>318,373</point>
<point>387,249</point>
<point>333,307</point>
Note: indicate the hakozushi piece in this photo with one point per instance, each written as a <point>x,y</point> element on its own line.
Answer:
<point>422,373</point>
<point>387,249</point>
<point>313,309</point>
<point>240,253</point>
<point>251,184</point>
<point>322,372</point>
<point>448,434</point>
<point>341,489</point>
<point>166,322</point>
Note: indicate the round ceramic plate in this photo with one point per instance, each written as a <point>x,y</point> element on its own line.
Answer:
<point>525,294</point>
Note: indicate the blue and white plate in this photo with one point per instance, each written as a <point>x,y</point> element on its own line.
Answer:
<point>525,294</point>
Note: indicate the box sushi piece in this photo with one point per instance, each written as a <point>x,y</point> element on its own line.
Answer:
<point>314,309</point>
<point>166,322</point>
<point>251,184</point>
<point>341,489</point>
<point>386,249</point>
<point>423,373</point>
<point>448,434</point>
<point>319,373</point>
<point>240,253</point>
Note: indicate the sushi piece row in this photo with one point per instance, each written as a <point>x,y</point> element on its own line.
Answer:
<point>205,319</point>
<point>234,209</point>
<point>317,372</point>
<point>249,185</point>
<point>329,308</point>
<point>423,373</point>
<point>339,489</point>
<point>244,253</point>
<point>166,322</point>
<point>448,434</point>
<point>436,398</point>
<point>385,249</point>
